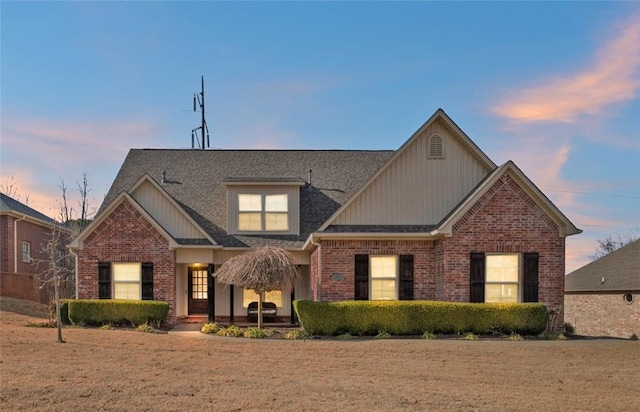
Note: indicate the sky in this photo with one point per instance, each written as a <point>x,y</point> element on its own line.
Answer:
<point>553,86</point>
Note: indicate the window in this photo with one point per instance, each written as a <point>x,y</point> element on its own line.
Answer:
<point>26,251</point>
<point>132,281</point>
<point>502,275</point>
<point>249,295</point>
<point>510,277</point>
<point>383,277</point>
<point>263,213</point>
<point>436,146</point>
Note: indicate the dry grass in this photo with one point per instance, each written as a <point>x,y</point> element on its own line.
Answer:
<point>128,370</point>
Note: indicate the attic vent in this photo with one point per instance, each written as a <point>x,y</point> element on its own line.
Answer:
<point>436,146</point>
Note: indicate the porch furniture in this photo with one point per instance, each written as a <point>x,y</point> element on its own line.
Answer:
<point>269,311</point>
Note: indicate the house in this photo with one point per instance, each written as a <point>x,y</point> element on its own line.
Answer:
<point>23,233</point>
<point>435,219</point>
<point>603,297</point>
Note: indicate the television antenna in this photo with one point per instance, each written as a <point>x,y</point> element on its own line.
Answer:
<point>204,130</point>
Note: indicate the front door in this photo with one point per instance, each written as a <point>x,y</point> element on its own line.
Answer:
<point>198,302</point>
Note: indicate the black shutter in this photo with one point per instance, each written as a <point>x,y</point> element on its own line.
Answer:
<point>147,281</point>
<point>477,278</point>
<point>361,277</point>
<point>530,287</point>
<point>104,280</point>
<point>406,277</point>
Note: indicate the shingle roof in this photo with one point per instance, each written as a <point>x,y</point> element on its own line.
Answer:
<point>8,204</point>
<point>620,271</point>
<point>194,179</point>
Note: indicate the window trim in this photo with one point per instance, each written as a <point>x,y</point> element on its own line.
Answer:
<point>263,213</point>
<point>395,278</point>
<point>518,284</point>
<point>27,258</point>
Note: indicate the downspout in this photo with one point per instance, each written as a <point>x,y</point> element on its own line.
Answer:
<point>15,243</point>
<point>75,258</point>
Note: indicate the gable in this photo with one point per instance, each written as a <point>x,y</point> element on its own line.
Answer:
<point>165,211</point>
<point>423,182</point>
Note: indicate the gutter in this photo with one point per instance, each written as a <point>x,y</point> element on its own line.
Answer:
<point>15,243</point>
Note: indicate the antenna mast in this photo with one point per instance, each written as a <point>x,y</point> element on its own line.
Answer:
<point>203,125</point>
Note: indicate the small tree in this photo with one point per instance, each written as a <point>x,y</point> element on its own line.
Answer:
<point>262,270</point>
<point>611,244</point>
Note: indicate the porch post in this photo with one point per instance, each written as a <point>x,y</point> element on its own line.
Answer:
<point>211,293</point>
<point>231,304</point>
<point>294,318</point>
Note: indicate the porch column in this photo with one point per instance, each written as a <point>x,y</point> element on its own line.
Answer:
<point>211,293</point>
<point>294,318</point>
<point>231,304</point>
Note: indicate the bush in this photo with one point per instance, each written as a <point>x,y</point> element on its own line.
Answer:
<point>117,312</point>
<point>514,337</point>
<point>470,336</point>
<point>296,334</point>
<point>64,311</point>
<point>415,317</point>
<point>569,330</point>
<point>255,333</point>
<point>145,327</point>
<point>230,331</point>
<point>428,335</point>
<point>209,327</point>
<point>383,335</point>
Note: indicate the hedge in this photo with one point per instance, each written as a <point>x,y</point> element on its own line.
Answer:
<point>116,312</point>
<point>417,317</point>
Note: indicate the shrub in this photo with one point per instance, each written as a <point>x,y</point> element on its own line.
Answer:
<point>428,335</point>
<point>296,334</point>
<point>345,336</point>
<point>117,312</point>
<point>209,327</point>
<point>383,335</point>
<point>569,330</point>
<point>106,327</point>
<point>48,324</point>
<point>514,337</point>
<point>415,317</point>
<point>230,331</point>
<point>470,336</point>
<point>255,333</point>
<point>145,327</point>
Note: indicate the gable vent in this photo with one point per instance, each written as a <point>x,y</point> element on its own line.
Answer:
<point>436,146</point>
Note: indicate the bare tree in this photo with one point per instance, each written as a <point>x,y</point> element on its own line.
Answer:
<point>262,270</point>
<point>10,187</point>
<point>610,244</point>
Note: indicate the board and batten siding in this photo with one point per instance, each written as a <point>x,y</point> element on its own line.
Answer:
<point>418,189</point>
<point>165,212</point>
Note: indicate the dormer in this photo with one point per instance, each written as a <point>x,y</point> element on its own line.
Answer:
<point>263,205</point>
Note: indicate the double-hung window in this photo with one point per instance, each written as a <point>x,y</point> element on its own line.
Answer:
<point>263,213</point>
<point>384,271</point>
<point>503,277</point>
<point>383,277</point>
<point>130,280</point>
<point>26,251</point>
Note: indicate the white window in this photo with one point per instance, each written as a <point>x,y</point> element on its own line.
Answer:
<point>263,213</point>
<point>26,251</point>
<point>502,278</point>
<point>127,281</point>
<point>249,295</point>
<point>383,273</point>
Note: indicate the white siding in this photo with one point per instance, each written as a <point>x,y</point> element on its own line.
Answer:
<point>165,212</point>
<point>416,189</point>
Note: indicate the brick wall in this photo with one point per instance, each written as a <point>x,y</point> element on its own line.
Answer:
<point>126,236</point>
<point>36,234</point>
<point>338,256</point>
<point>603,314</point>
<point>25,286</point>
<point>505,220</point>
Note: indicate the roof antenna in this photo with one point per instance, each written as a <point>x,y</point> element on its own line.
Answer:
<point>204,129</point>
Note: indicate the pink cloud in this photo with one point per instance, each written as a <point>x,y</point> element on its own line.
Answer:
<point>614,77</point>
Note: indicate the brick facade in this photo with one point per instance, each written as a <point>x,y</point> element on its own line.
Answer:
<point>29,231</point>
<point>504,220</point>
<point>603,314</point>
<point>126,236</point>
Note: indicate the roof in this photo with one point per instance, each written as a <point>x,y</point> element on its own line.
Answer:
<point>195,179</point>
<point>9,204</point>
<point>616,271</point>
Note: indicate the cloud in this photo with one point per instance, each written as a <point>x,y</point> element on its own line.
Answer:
<point>613,78</point>
<point>39,153</point>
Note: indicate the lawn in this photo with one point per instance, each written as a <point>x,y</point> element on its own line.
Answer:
<point>128,370</point>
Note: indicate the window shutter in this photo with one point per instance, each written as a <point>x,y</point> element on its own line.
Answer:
<point>147,281</point>
<point>530,287</point>
<point>361,277</point>
<point>477,278</point>
<point>406,277</point>
<point>104,280</point>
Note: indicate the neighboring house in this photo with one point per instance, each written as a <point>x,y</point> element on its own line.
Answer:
<point>603,297</point>
<point>435,219</point>
<point>24,232</point>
